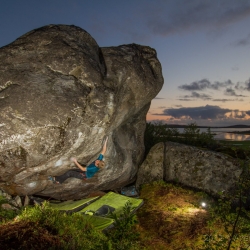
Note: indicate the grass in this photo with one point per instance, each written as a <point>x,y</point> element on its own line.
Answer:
<point>245,145</point>
<point>236,149</point>
<point>172,218</point>
<point>6,215</point>
<point>42,227</point>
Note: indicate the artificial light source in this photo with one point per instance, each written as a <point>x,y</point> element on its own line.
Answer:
<point>203,204</point>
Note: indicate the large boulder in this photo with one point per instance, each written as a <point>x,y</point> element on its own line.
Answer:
<point>190,166</point>
<point>60,95</point>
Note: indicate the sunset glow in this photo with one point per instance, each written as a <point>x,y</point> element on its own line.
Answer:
<point>203,47</point>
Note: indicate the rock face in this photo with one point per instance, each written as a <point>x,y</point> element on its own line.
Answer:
<point>205,170</point>
<point>60,94</point>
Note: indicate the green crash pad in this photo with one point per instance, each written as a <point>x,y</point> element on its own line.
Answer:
<point>115,201</point>
<point>90,206</point>
<point>100,223</point>
<point>71,205</point>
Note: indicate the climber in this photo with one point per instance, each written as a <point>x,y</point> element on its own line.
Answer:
<point>83,172</point>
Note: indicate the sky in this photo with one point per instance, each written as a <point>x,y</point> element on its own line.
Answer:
<point>203,47</point>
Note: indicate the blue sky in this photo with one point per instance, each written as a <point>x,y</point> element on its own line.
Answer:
<point>203,46</point>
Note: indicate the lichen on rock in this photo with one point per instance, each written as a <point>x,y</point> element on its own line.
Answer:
<point>190,166</point>
<point>60,95</point>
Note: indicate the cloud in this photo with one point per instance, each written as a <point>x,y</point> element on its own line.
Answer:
<point>243,86</point>
<point>227,100</point>
<point>243,42</point>
<point>178,15</point>
<point>205,84</point>
<point>200,85</point>
<point>196,96</point>
<point>204,112</point>
<point>235,68</point>
<point>238,114</point>
<point>231,92</point>
<point>158,98</point>
<point>205,115</point>
<point>239,86</point>
<point>185,99</point>
<point>247,84</point>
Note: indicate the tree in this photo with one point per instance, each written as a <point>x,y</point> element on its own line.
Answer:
<point>191,133</point>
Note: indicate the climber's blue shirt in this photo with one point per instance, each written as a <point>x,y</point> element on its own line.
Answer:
<point>92,168</point>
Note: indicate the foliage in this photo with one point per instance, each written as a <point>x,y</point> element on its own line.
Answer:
<point>239,151</point>
<point>160,132</point>
<point>42,227</point>
<point>63,230</point>
<point>171,217</point>
<point>154,134</point>
<point>6,215</point>
<point>191,134</point>
<point>232,214</point>
<point>245,145</point>
<point>124,235</point>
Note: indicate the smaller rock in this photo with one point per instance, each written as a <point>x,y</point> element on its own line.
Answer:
<point>7,206</point>
<point>18,201</point>
<point>198,168</point>
<point>7,196</point>
<point>26,201</point>
<point>37,200</point>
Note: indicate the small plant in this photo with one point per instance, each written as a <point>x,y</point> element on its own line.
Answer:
<point>64,231</point>
<point>124,235</point>
<point>232,215</point>
<point>6,215</point>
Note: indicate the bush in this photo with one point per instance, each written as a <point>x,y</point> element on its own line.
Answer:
<point>232,213</point>
<point>124,235</point>
<point>159,132</point>
<point>41,226</point>
<point>6,215</point>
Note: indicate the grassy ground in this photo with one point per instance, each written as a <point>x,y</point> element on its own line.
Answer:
<point>172,219</point>
<point>245,145</point>
<point>236,149</point>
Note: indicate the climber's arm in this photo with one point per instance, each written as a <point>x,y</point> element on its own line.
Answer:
<point>104,148</point>
<point>79,165</point>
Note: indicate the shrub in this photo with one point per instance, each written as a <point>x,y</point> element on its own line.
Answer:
<point>159,132</point>
<point>6,215</point>
<point>124,234</point>
<point>64,231</point>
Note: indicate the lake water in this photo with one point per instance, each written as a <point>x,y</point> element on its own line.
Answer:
<point>222,133</point>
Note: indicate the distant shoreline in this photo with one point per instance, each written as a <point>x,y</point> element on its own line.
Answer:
<point>184,126</point>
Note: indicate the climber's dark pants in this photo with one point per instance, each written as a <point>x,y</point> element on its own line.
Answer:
<point>75,173</point>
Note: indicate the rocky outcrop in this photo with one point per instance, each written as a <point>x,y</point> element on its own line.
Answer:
<point>194,167</point>
<point>60,94</point>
